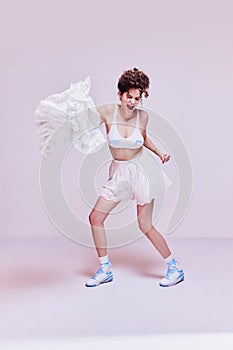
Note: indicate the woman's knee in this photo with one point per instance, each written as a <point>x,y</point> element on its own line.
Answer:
<point>95,218</point>
<point>144,225</point>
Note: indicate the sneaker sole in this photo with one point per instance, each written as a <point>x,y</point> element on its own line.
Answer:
<point>181,279</point>
<point>96,285</point>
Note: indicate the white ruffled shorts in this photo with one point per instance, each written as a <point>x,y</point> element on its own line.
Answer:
<point>140,178</point>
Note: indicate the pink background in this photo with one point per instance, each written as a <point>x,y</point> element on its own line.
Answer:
<point>186,49</point>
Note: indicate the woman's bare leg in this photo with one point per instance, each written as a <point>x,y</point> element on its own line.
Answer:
<point>174,273</point>
<point>97,217</point>
<point>144,213</point>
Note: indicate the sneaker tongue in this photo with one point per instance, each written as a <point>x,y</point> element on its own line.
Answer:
<point>173,262</point>
<point>105,267</point>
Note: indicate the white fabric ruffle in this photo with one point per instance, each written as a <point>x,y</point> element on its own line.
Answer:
<point>73,116</point>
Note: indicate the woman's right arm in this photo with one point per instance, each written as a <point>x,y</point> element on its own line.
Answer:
<point>102,113</point>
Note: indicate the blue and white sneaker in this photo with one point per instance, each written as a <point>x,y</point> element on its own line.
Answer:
<point>174,275</point>
<point>103,275</point>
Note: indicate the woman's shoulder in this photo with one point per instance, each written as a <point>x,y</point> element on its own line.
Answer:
<point>143,115</point>
<point>108,108</point>
<point>106,111</point>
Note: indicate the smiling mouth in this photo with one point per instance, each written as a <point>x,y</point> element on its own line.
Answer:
<point>130,107</point>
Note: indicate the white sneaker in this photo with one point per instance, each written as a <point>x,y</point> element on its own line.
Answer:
<point>174,275</point>
<point>103,275</point>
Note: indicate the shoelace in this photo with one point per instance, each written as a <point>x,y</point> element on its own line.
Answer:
<point>171,269</point>
<point>100,270</point>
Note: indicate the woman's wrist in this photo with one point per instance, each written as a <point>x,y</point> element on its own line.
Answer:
<point>158,152</point>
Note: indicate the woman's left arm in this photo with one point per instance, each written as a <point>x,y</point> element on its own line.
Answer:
<point>165,157</point>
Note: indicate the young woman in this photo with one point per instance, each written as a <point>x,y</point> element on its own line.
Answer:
<point>132,175</point>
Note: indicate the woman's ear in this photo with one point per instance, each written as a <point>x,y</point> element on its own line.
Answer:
<point>120,94</point>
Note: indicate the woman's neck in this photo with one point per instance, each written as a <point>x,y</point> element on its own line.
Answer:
<point>125,114</point>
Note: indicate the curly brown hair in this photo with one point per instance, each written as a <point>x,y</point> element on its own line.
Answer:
<point>134,79</point>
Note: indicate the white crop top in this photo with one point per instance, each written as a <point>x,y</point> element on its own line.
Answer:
<point>115,140</point>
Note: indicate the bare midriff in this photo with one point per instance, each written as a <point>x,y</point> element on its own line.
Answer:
<point>125,153</point>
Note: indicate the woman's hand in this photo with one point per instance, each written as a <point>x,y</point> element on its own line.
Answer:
<point>164,157</point>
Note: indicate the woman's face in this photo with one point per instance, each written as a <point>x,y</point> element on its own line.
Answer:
<point>130,99</point>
